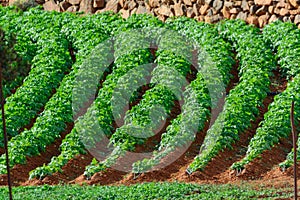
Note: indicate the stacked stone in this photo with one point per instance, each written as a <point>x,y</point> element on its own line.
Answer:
<point>261,12</point>
<point>257,12</point>
<point>87,6</point>
<point>4,2</point>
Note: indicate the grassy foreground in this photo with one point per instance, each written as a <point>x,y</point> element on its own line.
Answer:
<point>143,191</point>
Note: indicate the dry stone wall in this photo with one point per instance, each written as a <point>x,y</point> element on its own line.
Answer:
<point>258,12</point>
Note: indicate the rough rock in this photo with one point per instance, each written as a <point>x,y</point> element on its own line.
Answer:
<point>237,3</point>
<point>226,12</point>
<point>234,11</point>
<point>297,19</point>
<point>38,1</point>
<point>141,10</point>
<point>154,3</point>
<point>263,20</point>
<point>261,11</point>
<point>187,2</point>
<point>86,6</point>
<point>208,1</point>
<point>64,5</point>
<point>131,5</point>
<point>196,9</point>
<point>295,3</point>
<point>271,9</point>
<point>252,20</point>
<point>72,9</point>
<point>263,2</point>
<point>233,16</point>
<point>284,12</point>
<point>161,17</point>
<point>124,13</point>
<point>242,16</point>
<point>200,18</point>
<point>250,3</point>
<point>204,9</point>
<point>122,3</point>
<point>74,2</point>
<point>257,12</point>
<point>294,12</point>
<point>287,19</point>
<point>273,18</point>
<point>51,5</point>
<point>112,5</point>
<point>210,12</point>
<point>276,10</point>
<point>133,11</point>
<point>148,6</point>
<point>253,9</point>
<point>218,4</point>
<point>178,9</point>
<point>166,2</point>
<point>190,13</point>
<point>212,19</point>
<point>99,3</point>
<point>201,2</point>
<point>280,4</point>
<point>228,4</point>
<point>165,10</point>
<point>245,5</point>
<point>292,17</point>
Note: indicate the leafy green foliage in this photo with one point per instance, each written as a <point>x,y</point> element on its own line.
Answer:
<point>144,191</point>
<point>284,39</point>
<point>241,106</point>
<point>14,70</point>
<point>18,51</point>
<point>47,41</point>
<point>85,41</point>
<point>46,73</point>
<point>25,4</point>
<point>156,103</point>
<point>58,110</point>
<point>72,145</point>
<point>197,101</point>
<point>276,124</point>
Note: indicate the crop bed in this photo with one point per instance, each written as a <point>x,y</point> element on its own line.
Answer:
<point>236,132</point>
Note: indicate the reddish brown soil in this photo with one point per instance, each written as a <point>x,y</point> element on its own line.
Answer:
<point>32,121</point>
<point>269,159</point>
<point>70,171</point>
<point>217,169</point>
<point>276,155</point>
<point>20,173</point>
<point>263,172</point>
<point>176,170</point>
<point>151,142</point>
<point>235,79</point>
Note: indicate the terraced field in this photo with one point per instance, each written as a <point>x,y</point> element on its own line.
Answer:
<point>100,99</point>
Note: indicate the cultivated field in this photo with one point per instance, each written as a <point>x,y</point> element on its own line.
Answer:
<point>97,99</point>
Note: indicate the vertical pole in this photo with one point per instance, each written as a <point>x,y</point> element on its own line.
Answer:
<point>5,135</point>
<point>295,150</point>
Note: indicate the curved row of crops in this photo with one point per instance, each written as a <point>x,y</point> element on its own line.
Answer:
<point>197,100</point>
<point>276,124</point>
<point>46,72</point>
<point>101,61</point>
<point>241,105</point>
